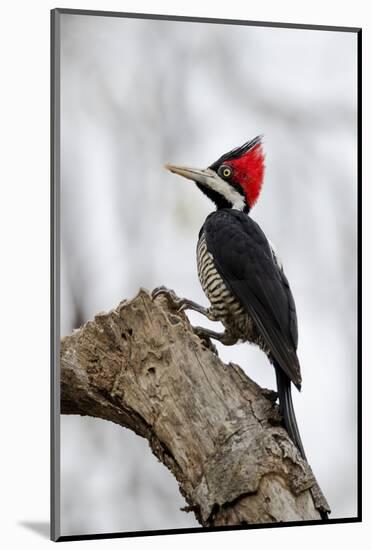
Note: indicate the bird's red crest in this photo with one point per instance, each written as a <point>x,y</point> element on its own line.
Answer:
<point>248,171</point>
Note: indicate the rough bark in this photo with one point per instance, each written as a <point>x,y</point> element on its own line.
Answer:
<point>142,366</point>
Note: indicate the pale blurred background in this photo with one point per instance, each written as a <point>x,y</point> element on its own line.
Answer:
<point>138,93</point>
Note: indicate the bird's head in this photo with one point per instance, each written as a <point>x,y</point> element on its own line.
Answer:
<point>234,180</point>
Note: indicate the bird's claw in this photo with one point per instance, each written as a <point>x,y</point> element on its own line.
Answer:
<point>179,304</point>
<point>160,290</point>
<point>206,340</point>
<point>175,302</point>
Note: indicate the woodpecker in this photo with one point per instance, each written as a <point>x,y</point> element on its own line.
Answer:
<point>241,274</point>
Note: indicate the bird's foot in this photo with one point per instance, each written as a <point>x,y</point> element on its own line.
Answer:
<point>179,304</point>
<point>174,301</point>
<point>205,337</point>
<point>168,293</point>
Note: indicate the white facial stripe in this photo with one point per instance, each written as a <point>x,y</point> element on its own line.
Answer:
<point>223,188</point>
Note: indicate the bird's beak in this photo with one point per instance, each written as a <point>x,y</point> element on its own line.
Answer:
<point>205,177</point>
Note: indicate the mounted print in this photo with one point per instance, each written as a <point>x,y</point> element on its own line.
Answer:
<point>205,288</point>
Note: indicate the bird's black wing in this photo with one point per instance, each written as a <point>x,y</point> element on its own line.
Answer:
<point>244,259</point>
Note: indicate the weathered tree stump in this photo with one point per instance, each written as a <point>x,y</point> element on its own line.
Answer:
<point>220,434</point>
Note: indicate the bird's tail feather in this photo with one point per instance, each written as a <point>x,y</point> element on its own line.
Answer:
<point>288,414</point>
<point>287,408</point>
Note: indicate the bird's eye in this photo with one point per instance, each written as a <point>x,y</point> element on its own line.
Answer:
<point>225,171</point>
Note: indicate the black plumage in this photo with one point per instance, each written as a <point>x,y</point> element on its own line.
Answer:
<point>248,267</point>
<point>244,259</point>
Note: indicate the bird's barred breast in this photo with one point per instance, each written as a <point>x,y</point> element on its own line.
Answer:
<point>225,307</point>
<point>224,304</point>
